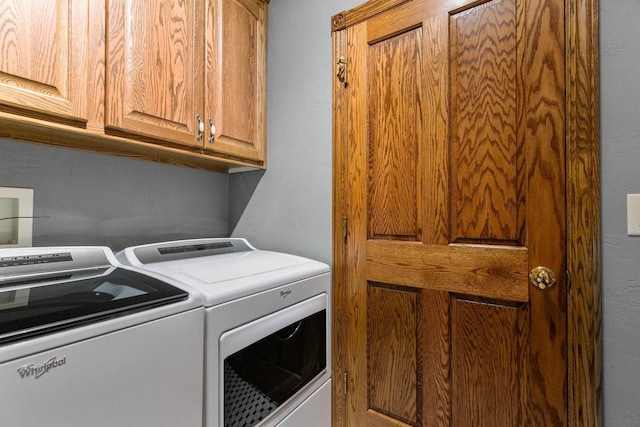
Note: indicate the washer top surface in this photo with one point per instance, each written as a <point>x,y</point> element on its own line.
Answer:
<point>46,290</point>
<point>221,269</point>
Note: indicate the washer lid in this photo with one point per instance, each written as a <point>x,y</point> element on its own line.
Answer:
<point>44,290</point>
<point>229,274</point>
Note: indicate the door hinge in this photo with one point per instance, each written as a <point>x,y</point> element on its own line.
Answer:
<point>344,380</point>
<point>344,228</point>
<point>342,69</point>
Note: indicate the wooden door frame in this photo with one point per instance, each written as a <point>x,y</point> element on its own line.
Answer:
<point>584,312</point>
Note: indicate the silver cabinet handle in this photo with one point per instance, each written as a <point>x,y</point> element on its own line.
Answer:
<point>200,128</point>
<point>212,131</point>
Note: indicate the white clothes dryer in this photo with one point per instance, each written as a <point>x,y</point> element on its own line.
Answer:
<point>267,329</point>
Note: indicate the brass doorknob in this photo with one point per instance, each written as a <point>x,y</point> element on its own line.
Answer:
<point>542,277</point>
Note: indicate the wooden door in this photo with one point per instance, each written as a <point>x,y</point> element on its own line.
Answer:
<point>155,64</point>
<point>236,78</point>
<point>43,59</point>
<point>452,127</point>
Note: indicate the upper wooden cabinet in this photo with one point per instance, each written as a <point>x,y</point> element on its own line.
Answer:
<point>176,82</point>
<point>191,73</point>
<point>155,62</point>
<point>43,59</point>
<point>236,78</point>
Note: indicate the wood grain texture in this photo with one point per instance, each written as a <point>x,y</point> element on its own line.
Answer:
<point>96,65</point>
<point>80,20</point>
<point>545,135</point>
<point>79,87</point>
<point>155,69</point>
<point>393,316</point>
<point>236,101</point>
<point>485,365</point>
<point>355,245</point>
<point>361,13</point>
<point>240,49</point>
<point>436,356</point>
<point>93,140</point>
<point>159,60</point>
<point>493,272</point>
<point>26,48</point>
<point>436,198</point>
<point>484,148</point>
<point>43,59</point>
<point>548,125</point>
<point>395,133</point>
<point>583,215</point>
<point>339,338</point>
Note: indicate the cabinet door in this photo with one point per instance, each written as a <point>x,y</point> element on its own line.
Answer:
<point>42,59</point>
<point>155,62</point>
<point>236,77</point>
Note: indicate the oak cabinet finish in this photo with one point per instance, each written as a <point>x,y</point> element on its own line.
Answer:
<point>235,84</point>
<point>155,62</point>
<point>43,59</point>
<point>465,156</point>
<point>141,79</point>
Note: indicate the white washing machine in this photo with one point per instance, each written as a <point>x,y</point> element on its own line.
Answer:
<point>267,329</point>
<point>85,342</point>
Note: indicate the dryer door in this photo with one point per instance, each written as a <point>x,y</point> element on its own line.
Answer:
<point>268,361</point>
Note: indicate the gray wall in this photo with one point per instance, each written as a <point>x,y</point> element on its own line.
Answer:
<point>94,199</point>
<point>288,208</point>
<point>620,130</point>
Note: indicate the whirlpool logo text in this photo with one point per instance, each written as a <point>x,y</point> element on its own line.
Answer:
<point>285,293</point>
<point>36,371</point>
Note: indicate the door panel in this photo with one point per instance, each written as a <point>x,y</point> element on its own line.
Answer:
<point>395,126</point>
<point>454,191</point>
<point>41,75</point>
<point>393,325</point>
<point>155,61</point>
<point>236,101</point>
<point>486,363</point>
<point>486,153</point>
<point>472,270</point>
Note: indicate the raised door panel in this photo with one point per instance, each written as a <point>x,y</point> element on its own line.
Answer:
<point>393,324</point>
<point>395,127</point>
<point>486,150</point>
<point>487,378</point>
<point>43,59</point>
<point>236,78</point>
<point>155,62</point>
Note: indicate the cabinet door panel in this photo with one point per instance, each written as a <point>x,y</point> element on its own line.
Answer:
<point>43,59</point>
<point>236,77</point>
<point>154,69</point>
